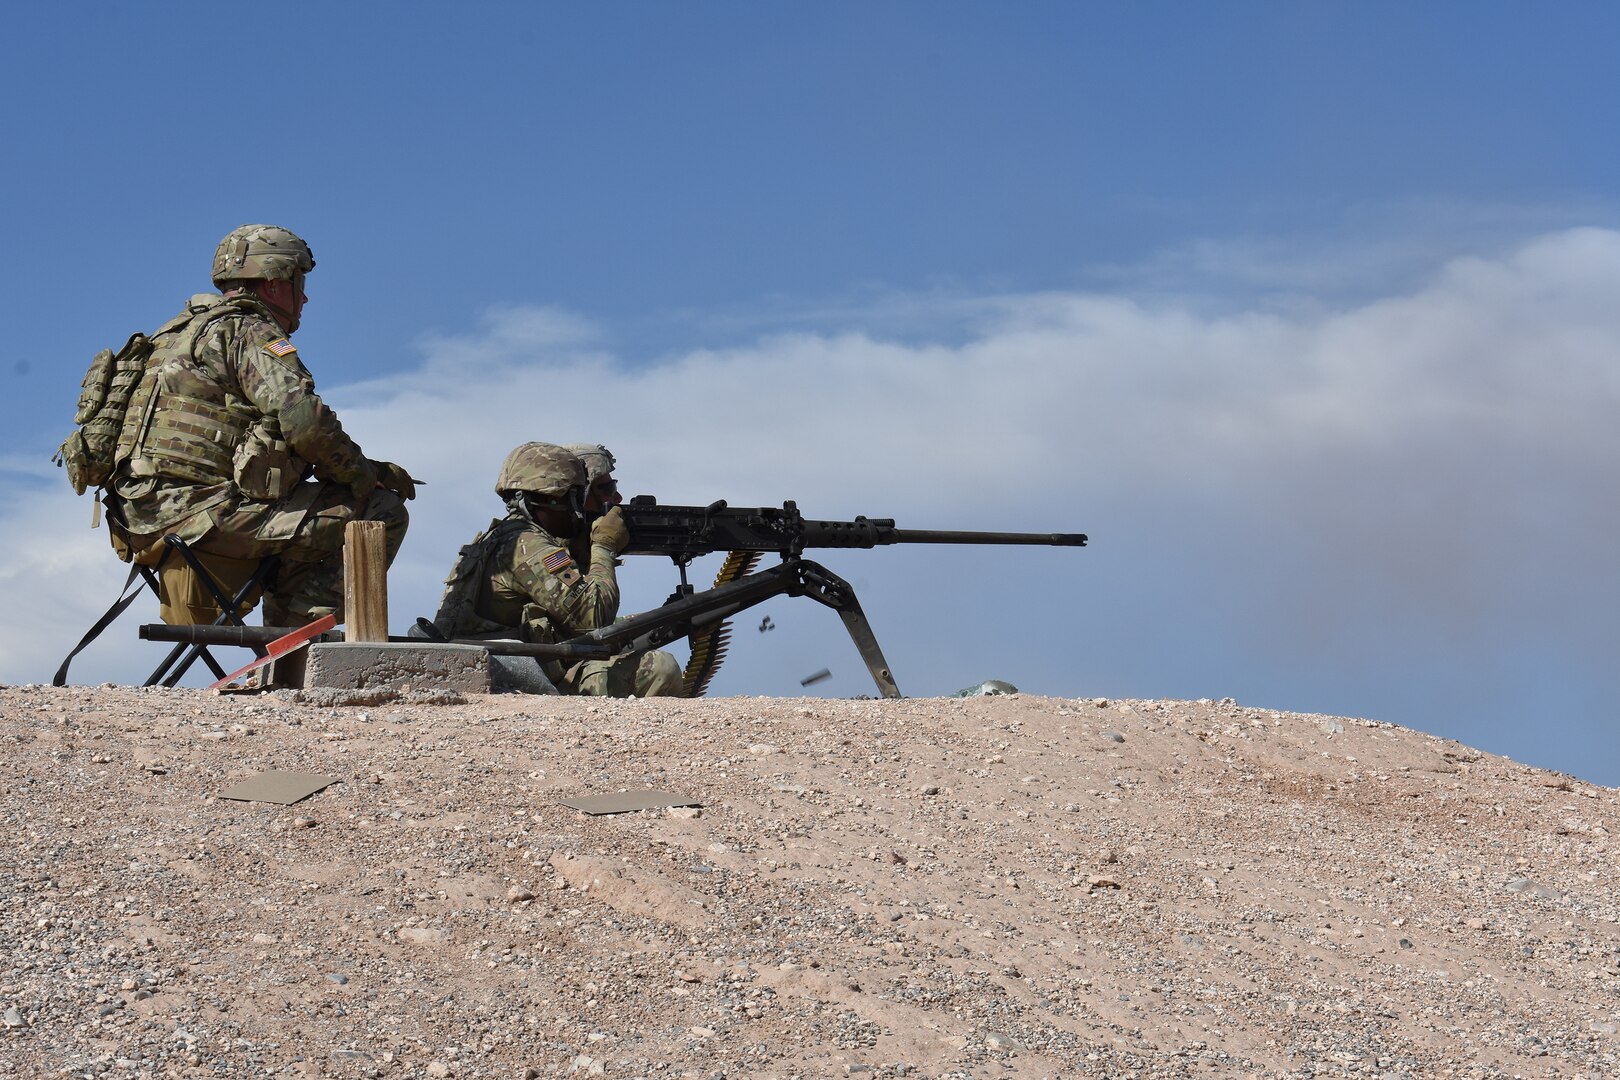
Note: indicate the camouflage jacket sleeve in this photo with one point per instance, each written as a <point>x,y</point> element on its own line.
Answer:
<point>574,601</point>
<point>274,381</point>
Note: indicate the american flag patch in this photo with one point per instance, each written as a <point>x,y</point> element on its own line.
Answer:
<point>281,347</point>
<point>558,561</point>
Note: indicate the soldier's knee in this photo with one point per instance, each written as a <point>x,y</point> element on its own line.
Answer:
<point>659,675</point>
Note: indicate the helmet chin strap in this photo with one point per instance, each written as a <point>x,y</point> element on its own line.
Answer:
<point>289,319</point>
<point>576,506</point>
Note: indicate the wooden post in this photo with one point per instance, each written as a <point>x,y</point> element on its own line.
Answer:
<point>365,581</point>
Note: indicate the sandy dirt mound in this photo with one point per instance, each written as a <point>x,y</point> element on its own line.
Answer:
<point>972,887</point>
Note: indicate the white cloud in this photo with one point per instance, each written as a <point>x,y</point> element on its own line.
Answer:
<point>1425,475</point>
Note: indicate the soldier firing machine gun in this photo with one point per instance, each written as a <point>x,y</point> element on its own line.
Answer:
<point>685,533</point>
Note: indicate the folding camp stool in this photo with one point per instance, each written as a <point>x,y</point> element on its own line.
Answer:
<point>191,588</point>
<point>193,591</point>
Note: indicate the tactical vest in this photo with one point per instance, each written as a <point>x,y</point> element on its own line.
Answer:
<point>458,609</point>
<point>191,423</point>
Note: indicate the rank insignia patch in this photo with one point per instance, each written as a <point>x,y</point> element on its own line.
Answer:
<point>281,347</point>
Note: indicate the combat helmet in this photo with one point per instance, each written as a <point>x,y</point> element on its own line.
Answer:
<point>542,468</point>
<point>261,253</point>
<point>598,459</point>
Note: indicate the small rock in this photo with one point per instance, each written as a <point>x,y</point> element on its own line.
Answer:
<point>1474,924</point>
<point>265,939</point>
<point>422,935</point>
<point>931,789</point>
<point>1102,881</point>
<point>13,1018</point>
<point>1113,736</point>
<point>517,894</point>
<point>997,1041</point>
<point>703,1032</point>
<point>438,1068</point>
<point>303,823</point>
<point>1535,889</point>
<point>764,749</point>
<point>685,813</point>
<point>1106,856</point>
<point>989,687</point>
<point>1332,727</point>
<point>338,978</point>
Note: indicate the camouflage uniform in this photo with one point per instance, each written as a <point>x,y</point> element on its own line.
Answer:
<point>221,438</point>
<point>516,578</point>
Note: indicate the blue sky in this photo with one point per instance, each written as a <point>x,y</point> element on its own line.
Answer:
<point>1302,311</point>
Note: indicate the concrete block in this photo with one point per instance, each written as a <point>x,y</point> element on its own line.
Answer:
<point>359,665</point>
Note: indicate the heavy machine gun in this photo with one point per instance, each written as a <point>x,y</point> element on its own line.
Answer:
<point>684,533</point>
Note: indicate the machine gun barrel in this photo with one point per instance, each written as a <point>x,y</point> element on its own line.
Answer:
<point>956,536</point>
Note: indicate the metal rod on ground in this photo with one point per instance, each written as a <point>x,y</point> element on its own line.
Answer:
<point>365,581</point>
<point>249,636</point>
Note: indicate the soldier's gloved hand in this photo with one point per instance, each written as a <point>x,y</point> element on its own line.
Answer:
<point>395,479</point>
<point>610,531</point>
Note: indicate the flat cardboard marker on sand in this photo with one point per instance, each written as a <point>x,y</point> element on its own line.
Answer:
<point>284,788</point>
<point>620,802</point>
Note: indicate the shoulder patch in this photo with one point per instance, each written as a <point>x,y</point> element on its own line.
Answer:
<point>561,564</point>
<point>280,347</point>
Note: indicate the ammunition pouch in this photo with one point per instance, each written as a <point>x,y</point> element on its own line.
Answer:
<point>264,468</point>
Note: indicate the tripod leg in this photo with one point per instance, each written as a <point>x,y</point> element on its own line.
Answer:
<point>861,632</point>
<point>824,586</point>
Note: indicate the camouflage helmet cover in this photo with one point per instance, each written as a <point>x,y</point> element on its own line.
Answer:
<point>597,458</point>
<point>541,468</point>
<point>261,253</point>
